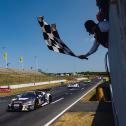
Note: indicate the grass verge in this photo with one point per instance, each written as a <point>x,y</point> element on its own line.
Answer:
<point>15,76</point>
<point>89,97</point>
<point>75,119</point>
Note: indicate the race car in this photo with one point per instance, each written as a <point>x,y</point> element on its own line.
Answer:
<point>87,81</point>
<point>75,85</point>
<point>29,101</point>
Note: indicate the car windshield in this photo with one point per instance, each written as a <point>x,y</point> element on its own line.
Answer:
<point>39,93</point>
<point>28,95</point>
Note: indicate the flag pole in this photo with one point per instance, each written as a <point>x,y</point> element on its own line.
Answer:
<point>6,63</point>
<point>36,63</point>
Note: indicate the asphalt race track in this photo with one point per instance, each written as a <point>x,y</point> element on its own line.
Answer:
<point>62,98</point>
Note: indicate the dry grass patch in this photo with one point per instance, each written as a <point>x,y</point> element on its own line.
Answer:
<point>75,119</point>
<point>14,76</point>
<point>91,96</point>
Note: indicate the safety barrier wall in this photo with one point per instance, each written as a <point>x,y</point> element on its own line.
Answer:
<point>117,59</point>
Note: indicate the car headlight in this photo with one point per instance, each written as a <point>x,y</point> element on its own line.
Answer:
<point>12,100</point>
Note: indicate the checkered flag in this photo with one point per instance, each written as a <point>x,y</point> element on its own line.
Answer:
<point>52,38</point>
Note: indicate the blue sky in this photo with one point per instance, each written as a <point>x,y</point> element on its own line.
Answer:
<point>21,35</point>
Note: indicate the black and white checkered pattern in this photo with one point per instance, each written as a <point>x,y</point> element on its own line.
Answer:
<point>52,38</point>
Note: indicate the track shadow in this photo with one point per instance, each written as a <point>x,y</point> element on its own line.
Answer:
<point>104,115</point>
<point>93,98</point>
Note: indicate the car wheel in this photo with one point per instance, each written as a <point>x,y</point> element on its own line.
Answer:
<point>36,104</point>
<point>49,99</point>
<point>8,110</point>
<point>31,108</point>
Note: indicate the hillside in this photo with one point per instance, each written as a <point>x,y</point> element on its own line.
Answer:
<point>16,76</point>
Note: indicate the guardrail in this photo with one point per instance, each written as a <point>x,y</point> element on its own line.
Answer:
<point>5,89</point>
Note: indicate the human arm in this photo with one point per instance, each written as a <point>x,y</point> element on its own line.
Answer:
<point>91,51</point>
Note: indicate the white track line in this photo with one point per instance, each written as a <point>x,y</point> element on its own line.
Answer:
<point>52,120</point>
<point>44,104</point>
<point>57,100</point>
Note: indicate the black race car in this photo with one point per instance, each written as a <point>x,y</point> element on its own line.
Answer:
<point>29,101</point>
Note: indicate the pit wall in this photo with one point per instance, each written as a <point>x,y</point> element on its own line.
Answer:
<point>117,59</point>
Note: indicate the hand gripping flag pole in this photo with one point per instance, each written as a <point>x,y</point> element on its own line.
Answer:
<point>52,38</point>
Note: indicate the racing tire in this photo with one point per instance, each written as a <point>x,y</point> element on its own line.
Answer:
<point>49,100</point>
<point>36,104</point>
<point>31,109</point>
